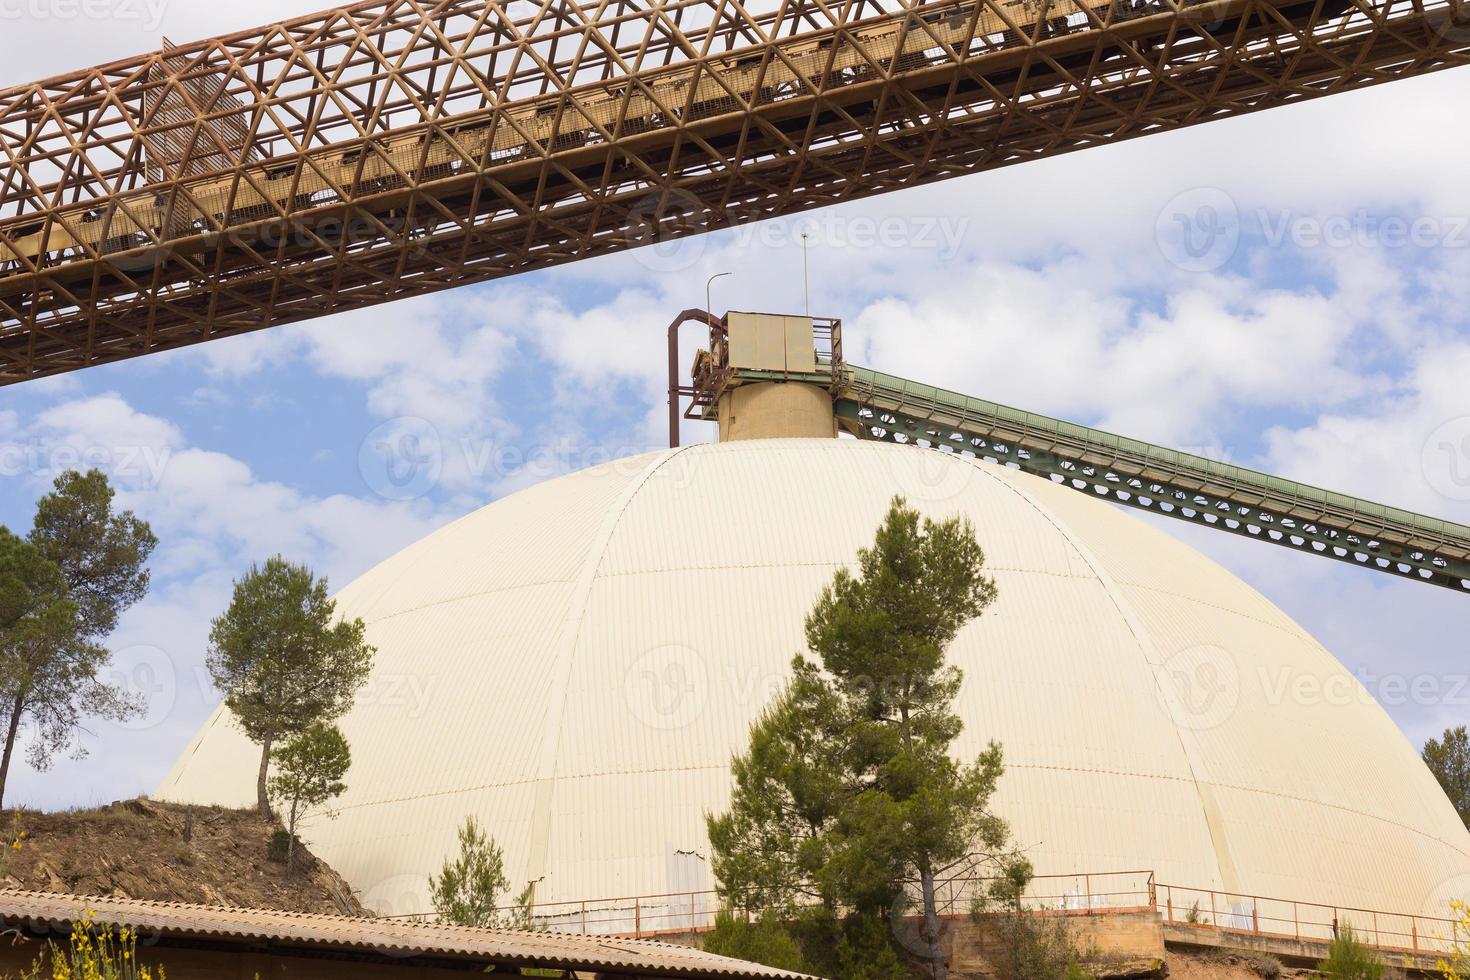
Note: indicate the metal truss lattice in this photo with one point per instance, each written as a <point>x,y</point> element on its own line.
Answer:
<point>398,147</point>
<point>1159,480</point>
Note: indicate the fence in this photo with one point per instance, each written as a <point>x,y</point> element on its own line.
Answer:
<point>1285,919</point>
<point>644,916</point>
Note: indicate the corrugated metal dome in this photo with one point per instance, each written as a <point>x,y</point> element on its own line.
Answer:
<point>575,664</point>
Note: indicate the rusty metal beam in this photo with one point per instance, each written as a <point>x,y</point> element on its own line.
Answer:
<point>396,148</point>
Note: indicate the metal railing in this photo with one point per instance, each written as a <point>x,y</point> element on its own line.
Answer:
<point>1276,918</point>
<point>643,916</point>
<point>1105,893</point>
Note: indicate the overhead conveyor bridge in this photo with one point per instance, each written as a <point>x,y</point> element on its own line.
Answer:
<point>874,405</point>
<point>763,375</point>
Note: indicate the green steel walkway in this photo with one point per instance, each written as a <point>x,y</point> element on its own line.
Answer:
<point>1163,481</point>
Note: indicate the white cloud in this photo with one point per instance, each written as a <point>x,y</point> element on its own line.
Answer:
<point>213,516</point>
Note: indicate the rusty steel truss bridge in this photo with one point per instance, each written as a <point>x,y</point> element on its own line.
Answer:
<point>398,147</point>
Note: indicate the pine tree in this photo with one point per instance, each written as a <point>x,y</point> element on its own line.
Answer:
<point>283,659</point>
<point>1448,757</point>
<point>468,889</point>
<point>848,791</point>
<point>80,567</point>
<point>309,771</point>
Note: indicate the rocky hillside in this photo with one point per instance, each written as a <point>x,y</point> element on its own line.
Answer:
<point>167,852</point>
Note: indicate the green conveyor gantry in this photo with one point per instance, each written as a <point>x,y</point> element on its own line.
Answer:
<point>1256,505</point>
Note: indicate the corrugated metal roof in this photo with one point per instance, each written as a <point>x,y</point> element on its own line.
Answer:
<point>393,939</point>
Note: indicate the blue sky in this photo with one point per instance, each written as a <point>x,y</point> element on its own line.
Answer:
<point>1297,331</point>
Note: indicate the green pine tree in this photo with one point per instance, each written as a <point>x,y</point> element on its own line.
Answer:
<point>309,771</point>
<point>1448,757</point>
<point>80,567</point>
<point>848,792</point>
<point>283,659</point>
<point>469,888</point>
<point>764,940</point>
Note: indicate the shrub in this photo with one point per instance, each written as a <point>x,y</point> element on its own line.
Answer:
<point>766,941</point>
<point>853,947</point>
<point>1457,965</point>
<point>98,951</point>
<point>1035,948</point>
<point>865,951</point>
<point>280,845</point>
<point>1349,959</point>
<point>468,889</point>
<point>1264,966</point>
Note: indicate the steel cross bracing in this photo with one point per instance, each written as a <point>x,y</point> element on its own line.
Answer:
<point>396,147</point>
<point>1230,498</point>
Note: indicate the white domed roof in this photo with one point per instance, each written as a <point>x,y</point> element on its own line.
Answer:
<point>575,664</point>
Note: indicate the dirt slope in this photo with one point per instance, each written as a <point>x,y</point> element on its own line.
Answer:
<point>1210,965</point>
<point>138,849</point>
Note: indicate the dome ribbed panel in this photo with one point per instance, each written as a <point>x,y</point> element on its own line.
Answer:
<point>669,591</point>
<point>538,535</point>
